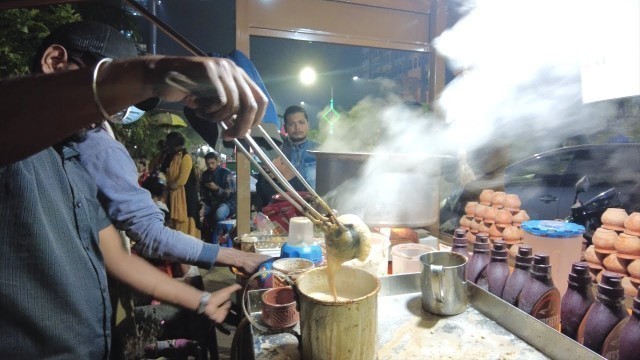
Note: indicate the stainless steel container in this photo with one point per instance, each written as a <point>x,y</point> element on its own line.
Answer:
<point>386,190</point>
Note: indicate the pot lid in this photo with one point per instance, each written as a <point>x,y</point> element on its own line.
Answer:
<point>552,228</point>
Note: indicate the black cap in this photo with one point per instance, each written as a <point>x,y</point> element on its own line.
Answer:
<point>524,258</point>
<point>98,39</point>
<point>482,244</point>
<point>499,251</point>
<point>459,237</point>
<point>541,265</point>
<point>610,287</point>
<point>579,275</point>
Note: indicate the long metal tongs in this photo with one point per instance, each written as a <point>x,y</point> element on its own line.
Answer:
<point>327,222</point>
<point>282,185</point>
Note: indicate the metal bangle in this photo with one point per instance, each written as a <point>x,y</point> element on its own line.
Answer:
<point>204,301</point>
<point>94,87</point>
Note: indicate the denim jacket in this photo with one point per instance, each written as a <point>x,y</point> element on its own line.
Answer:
<point>302,160</point>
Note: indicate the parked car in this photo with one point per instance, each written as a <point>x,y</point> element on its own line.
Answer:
<point>546,182</point>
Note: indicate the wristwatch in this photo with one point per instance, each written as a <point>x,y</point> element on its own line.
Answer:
<point>204,301</point>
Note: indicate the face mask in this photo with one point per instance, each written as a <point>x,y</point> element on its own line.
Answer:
<point>128,116</point>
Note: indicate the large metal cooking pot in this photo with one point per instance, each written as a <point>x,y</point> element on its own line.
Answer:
<point>386,190</point>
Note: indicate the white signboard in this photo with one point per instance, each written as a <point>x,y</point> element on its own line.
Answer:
<point>610,67</point>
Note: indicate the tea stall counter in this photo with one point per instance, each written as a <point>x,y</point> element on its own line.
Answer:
<point>405,331</point>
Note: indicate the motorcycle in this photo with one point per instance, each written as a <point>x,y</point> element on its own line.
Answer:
<point>589,213</point>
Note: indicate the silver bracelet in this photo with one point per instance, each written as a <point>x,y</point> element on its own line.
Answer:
<point>94,86</point>
<point>204,301</point>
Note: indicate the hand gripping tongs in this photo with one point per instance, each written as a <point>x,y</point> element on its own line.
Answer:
<point>329,224</point>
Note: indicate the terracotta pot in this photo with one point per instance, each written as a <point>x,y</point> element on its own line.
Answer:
<point>512,235</point>
<point>495,232</point>
<point>497,200</point>
<point>490,215</point>
<point>629,288</point>
<point>470,208</point>
<point>474,226</point>
<point>465,223</point>
<point>614,218</point>
<point>634,269</point>
<point>628,246</point>
<point>504,218</point>
<point>592,257</point>
<point>604,240</point>
<point>483,228</point>
<point>632,224</point>
<point>615,264</point>
<point>479,212</point>
<point>512,203</point>
<point>520,217</point>
<point>485,197</point>
<point>471,237</point>
<point>279,308</point>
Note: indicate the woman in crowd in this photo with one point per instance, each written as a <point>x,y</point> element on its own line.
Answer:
<point>182,184</point>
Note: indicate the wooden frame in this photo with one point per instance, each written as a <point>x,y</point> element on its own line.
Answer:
<point>391,24</point>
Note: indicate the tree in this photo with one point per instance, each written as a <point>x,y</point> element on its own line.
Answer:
<point>21,30</point>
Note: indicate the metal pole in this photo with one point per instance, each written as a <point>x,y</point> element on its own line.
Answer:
<point>153,38</point>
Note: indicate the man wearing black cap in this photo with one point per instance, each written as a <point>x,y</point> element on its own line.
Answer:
<point>56,239</point>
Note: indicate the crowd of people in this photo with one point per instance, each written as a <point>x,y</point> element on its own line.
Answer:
<point>70,193</point>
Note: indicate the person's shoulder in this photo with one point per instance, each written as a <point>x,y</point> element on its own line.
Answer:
<point>96,140</point>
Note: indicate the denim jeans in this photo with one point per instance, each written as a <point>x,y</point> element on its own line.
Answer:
<point>222,212</point>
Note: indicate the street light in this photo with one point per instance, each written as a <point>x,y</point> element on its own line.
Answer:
<point>307,76</point>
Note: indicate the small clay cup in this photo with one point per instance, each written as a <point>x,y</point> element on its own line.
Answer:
<point>470,209</point>
<point>520,217</point>
<point>614,218</point>
<point>490,215</point>
<point>497,199</point>
<point>512,235</point>
<point>634,269</point>
<point>503,218</point>
<point>628,246</point>
<point>465,223</point>
<point>593,258</point>
<point>485,197</point>
<point>605,240</point>
<point>479,212</point>
<point>279,308</point>
<point>512,203</point>
<point>615,264</point>
<point>632,224</point>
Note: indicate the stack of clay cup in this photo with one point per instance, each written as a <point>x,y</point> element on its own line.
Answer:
<point>497,214</point>
<point>616,248</point>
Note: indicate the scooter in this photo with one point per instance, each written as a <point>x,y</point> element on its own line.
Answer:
<point>588,214</point>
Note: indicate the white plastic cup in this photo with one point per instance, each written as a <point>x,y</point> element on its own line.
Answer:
<point>405,258</point>
<point>300,231</point>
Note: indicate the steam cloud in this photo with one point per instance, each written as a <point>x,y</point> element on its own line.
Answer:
<point>519,85</point>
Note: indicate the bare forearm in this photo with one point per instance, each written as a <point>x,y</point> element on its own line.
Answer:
<point>142,276</point>
<point>58,105</point>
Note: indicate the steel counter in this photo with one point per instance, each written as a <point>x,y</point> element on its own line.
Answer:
<point>489,329</point>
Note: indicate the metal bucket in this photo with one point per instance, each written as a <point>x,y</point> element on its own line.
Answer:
<point>386,190</point>
<point>343,329</point>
